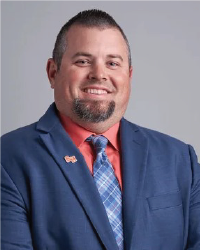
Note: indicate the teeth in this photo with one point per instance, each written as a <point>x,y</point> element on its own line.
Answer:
<point>96,91</point>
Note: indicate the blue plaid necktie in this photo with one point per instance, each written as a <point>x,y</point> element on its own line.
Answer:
<point>108,187</point>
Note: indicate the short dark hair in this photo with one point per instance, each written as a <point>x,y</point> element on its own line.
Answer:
<point>87,18</point>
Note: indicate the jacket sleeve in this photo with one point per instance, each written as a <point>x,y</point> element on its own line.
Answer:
<point>194,212</point>
<point>15,228</point>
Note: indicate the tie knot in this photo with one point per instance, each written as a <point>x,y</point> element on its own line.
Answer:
<point>100,142</point>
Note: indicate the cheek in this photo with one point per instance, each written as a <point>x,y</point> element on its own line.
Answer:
<point>124,88</point>
<point>123,84</point>
<point>73,80</point>
<point>61,89</point>
<point>125,95</point>
<point>76,74</point>
<point>68,87</point>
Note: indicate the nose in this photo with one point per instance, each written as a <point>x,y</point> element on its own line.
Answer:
<point>97,72</point>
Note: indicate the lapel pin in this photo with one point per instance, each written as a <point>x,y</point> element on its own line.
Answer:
<point>71,159</point>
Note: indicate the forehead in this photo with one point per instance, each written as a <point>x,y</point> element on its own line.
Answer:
<point>95,40</point>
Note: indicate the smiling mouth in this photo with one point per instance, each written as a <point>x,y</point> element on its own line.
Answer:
<point>96,91</point>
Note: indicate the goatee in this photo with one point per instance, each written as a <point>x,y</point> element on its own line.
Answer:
<point>93,111</point>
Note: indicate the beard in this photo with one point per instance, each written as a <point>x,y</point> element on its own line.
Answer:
<point>93,111</point>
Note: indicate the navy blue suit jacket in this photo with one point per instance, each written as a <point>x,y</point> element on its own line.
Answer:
<point>49,204</point>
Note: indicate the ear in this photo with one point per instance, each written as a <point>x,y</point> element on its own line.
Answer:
<point>130,72</point>
<point>51,69</point>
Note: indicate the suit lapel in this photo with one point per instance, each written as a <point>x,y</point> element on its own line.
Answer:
<point>134,154</point>
<point>77,174</point>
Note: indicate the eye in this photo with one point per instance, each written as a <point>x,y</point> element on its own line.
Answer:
<point>82,62</point>
<point>113,64</point>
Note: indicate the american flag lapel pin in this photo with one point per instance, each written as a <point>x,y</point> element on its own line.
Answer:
<point>71,159</point>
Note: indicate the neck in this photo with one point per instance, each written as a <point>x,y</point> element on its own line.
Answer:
<point>97,128</point>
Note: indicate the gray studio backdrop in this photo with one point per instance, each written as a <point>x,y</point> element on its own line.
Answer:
<point>165,43</point>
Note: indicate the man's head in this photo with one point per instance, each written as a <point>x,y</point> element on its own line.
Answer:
<point>90,71</point>
<point>91,19</point>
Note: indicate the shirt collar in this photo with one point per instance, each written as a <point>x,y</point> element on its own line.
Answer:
<point>78,134</point>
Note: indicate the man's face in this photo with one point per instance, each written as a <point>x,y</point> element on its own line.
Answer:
<point>92,85</point>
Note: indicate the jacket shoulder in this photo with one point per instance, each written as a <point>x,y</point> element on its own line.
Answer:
<point>21,133</point>
<point>159,139</point>
<point>18,140</point>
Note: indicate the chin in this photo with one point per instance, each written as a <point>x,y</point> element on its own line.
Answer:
<point>93,111</point>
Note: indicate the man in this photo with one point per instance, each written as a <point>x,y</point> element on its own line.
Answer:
<point>83,177</point>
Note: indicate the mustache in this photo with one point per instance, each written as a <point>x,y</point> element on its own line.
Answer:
<point>102,84</point>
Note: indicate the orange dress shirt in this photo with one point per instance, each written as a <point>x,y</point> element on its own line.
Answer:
<point>78,135</point>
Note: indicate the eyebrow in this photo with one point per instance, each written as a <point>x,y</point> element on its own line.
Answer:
<point>82,54</point>
<point>90,55</point>
<point>115,56</point>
